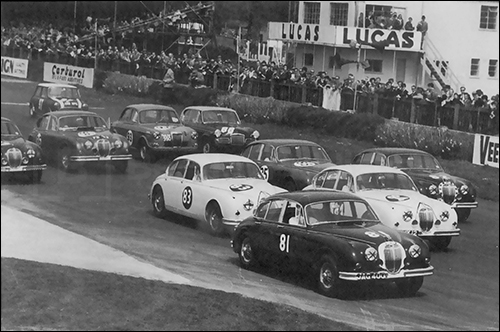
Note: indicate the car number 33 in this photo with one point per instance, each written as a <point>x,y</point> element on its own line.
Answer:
<point>187,197</point>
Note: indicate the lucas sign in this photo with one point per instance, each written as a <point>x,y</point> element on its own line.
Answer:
<point>58,73</point>
<point>397,39</point>
<point>486,150</point>
<point>14,67</point>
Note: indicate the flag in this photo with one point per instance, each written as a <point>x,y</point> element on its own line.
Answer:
<point>341,61</point>
<point>379,46</point>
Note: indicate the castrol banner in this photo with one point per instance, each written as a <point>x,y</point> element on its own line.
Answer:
<point>66,74</point>
<point>14,67</point>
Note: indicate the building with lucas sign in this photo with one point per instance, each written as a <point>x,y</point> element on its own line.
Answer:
<point>460,48</point>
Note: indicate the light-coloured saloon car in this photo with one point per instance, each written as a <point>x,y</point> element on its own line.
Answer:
<point>219,189</point>
<point>395,198</point>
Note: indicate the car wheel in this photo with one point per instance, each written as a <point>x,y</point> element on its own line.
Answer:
<point>409,286</point>
<point>145,153</point>
<point>214,218</point>
<point>440,242</point>
<point>247,254</point>
<point>327,276</point>
<point>121,166</point>
<point>158,201</point>
<point>35,176</point>
<point>32,111</point>
<point>290,185</point>
<point>206,147</point>
<point>463,214</point>
<point>64,159</point>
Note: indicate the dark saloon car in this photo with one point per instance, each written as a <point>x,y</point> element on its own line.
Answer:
<point>50,97</point>
<point>288,163</point>
<point>219,129</point>
<point>153,130</point>
<point>334,234</point>
<point>428,175</point>
<point>71,138</point>
<point>20,156</point>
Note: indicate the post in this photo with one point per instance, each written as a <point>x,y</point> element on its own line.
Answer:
<point>114,25</point>
<point>95,61</point>
<point>74,19</point>
<point>455,116</point>
<point>238,40</point>
<point>355,78</point>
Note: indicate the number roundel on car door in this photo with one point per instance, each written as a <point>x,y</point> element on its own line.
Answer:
<point>130,137</point>
<point>265,171</point>
<point>187,197</point>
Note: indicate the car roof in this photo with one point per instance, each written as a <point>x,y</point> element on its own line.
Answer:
<point>209,108</point>
<point>49,85</point>
<point>284,141</point>
<point>305,197</point>
<point>141,107</point>
<point>357,169</point>
<point>208,158</point>
<point>64,113</point>
<point>393,150</point>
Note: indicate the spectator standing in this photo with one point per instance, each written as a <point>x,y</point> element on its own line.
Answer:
<point>409,25</point>
<point>397,22</point>
<point>169,77</point>
<point>422,26</point>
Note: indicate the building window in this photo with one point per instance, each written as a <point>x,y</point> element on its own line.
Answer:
<point>474,67</point>
<point>308,59</point>
<point>375,66</point>
<point>492,68</point>
<point>488,17</point>
<point>311,12</point>
<point>338,14</point>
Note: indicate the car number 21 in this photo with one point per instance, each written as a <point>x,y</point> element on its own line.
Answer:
<point>285,242</point>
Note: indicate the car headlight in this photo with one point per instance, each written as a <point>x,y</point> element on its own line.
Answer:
<point>57,106</point>
<point>445,215</point>
<point>24,161</point>
<point>4,161</point>
<point>217,133</point>
<point>30,153</point>
<point>414,251</point>
<point>248,205</point>
<point>255,134</point>
<point>85,106</point>
<point>407,216</point>
<point>118,144</point>
<point>371,254</point>
<point>88,144</point>
<point>194,135</point>
<point>464,189</point>
<point>156,135</point>
<point>433,189</point>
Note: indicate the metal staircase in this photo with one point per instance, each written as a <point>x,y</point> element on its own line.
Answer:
<point>437,67</point>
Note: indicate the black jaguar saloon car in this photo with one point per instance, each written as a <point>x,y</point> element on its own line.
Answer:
<point>428,175</point>
<point>334,234</point>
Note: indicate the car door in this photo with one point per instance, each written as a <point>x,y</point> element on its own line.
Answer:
<point>194,193</point>
<point>35,100</point>
<point>52,138</point>
<point>178,195</point>
<point>268,164</point>
<point>294,242</point>
<point>39,132</point>
<point>271,228</point>
<point>122,125</point>
<point>192,118</point>
<point>45,103</point>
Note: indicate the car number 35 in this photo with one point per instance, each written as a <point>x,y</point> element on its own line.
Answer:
<point>285,242</point>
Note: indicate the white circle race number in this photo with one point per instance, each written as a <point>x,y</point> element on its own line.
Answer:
<point>130,137</point>
<point>187,197</point>
<point>38,139</point>
<point>265,171</point>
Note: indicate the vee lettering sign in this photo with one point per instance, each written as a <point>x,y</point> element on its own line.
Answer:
<point>486,150</point>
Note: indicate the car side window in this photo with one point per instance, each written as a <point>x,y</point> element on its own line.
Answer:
<point>44,93</point>
<point>180,169</point>
<point>379,159</point>
<point>345,182</point>
<point>126,114</point>
<point>52,124</point>
<point>293,214</point>
<point>261,211</point>
<point>318,182</point>
<point>267,153</point>
<point>193,171</point>
<point>366,158</point>
<point>38,92</point>
<point>255,151</point>
<point>331,179</point>
<point>275,209</point>
<point>172,167</point>
<point>134,116</point>
<point>43,123</point>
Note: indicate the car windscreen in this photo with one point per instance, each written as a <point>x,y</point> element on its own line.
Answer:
<point>297,151</point>
<point>158,116</point>
<point>419,161</point>
<point>82,122</point>
<point>337,211</point>
<point>220,116</point>
<point>370,181</point>
<point>63,92</point>
<point>9,129</point>
<point>226,170</point>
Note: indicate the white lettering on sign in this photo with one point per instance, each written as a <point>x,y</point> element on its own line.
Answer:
<point>14,67</point>
<point>57,73</point>
<point>486,150</point>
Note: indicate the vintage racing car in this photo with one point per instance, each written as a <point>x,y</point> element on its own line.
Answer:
<point>50,97</point>
<point>219,129</point>
<point>219,189</point>
<point>396,200</point>
<point>335,235</point>
<point>428,175</point>
<point>153,130</point>
<point>72,138</point>
<point>288,163</point>
<point>20,156</point>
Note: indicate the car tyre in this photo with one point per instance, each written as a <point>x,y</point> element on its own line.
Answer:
<point>327,277</point>
<point>440,242</point>
<point>409,286</point>
<point>158,201</point>
<point>463,214</point>
<point>64,162</point>
<point>246,254</point>
<point>206,147</point>
<point>213,217</point>
<point>121,166</point>
<point>145,153</point>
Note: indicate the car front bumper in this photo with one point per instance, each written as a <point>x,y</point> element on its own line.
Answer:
<point>384,275</point>
<point>464,205</point>
<point>100,158</point>
<point>23,168</point>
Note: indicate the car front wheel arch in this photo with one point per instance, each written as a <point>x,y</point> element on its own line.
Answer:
<point>213,217</point>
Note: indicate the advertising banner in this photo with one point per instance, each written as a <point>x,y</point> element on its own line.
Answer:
<point>66,74</point>
<point>485,150</point>
<point>14,67</point>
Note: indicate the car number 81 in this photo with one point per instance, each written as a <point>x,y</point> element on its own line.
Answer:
<point>285,242</point>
